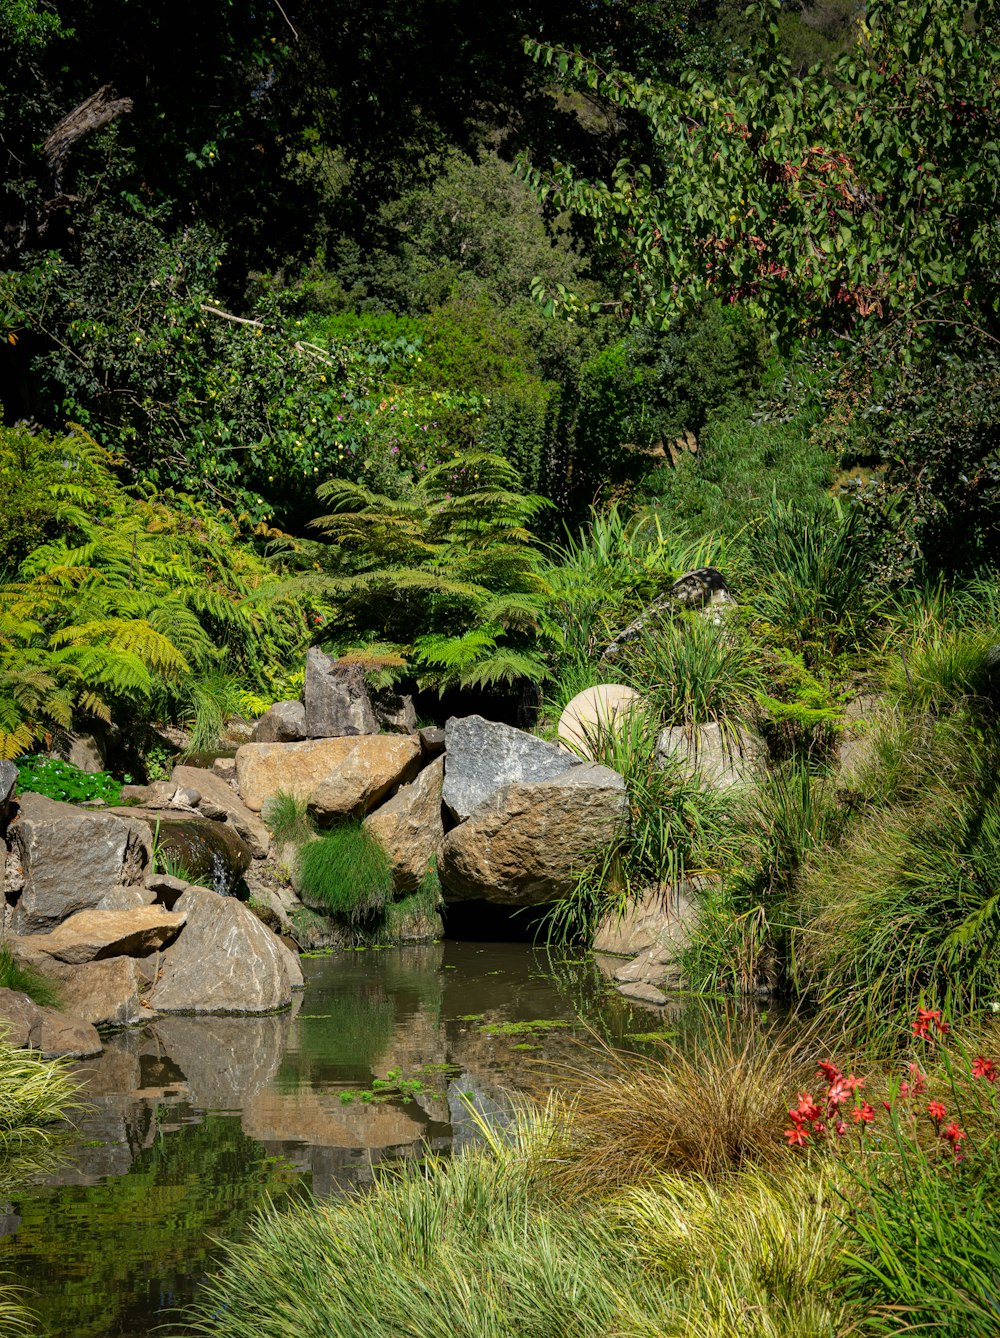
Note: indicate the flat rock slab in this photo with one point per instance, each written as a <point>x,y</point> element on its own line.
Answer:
<point>643,993</point>
<point>70,858</point>
<point>525,846</point>
<point>219,793</point>
<point>483,756</point>
<point>337,777</point>
<point>409,828</point>
<point>104,993</point>
<point>226,961</point>
<point>24,1025</point>
<point>90,936</point>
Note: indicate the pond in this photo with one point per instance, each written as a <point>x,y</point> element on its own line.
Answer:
<point>193,1123</point>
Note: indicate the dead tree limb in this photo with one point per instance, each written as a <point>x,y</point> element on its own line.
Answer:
<point>93,113</point>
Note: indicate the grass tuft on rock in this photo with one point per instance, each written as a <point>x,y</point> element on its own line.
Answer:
<point>26,980</point>
<point>347,873</point>
<point>287,816</point>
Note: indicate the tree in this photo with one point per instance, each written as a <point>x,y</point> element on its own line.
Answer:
<point>823,203</point>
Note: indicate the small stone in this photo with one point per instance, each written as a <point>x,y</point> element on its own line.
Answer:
<point>431,739</point>
<point>185,797</point>
<point>643,993</point>
<point>284,722</point>
<point>125,899</point>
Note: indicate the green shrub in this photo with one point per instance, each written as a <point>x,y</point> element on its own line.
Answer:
<point>25,980</point>
<point>347,872</point>
<point>63,781</point>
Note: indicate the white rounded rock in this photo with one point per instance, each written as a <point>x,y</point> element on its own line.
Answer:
<point>594,712</point>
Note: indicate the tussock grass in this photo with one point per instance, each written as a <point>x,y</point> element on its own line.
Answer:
<point>707,1114</point>
<point>347,872</point>
<point>24,979</point>
<point>34,1094</point>
<point>485,1247</point>
<point>287,816</point>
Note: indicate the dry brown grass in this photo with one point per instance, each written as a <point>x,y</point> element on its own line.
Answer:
<point>707,1113</point>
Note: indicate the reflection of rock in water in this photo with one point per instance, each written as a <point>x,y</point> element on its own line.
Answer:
<point>470,1100</point>
<point>225,1061</point>
<point>9,1220</point>
<point>115,1118</point>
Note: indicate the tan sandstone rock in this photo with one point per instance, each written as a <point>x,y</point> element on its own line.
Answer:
<point>89,936</point>
<point>106,993</point>
<point>337,777</point>
<point>219,793</point>
<point>594,713</point>
<point>409,828</point>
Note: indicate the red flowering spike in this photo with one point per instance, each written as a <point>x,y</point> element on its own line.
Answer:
<point>953,1134</point>
<point>797,1136</point>
<point>936,1110</point>
<point>985,1068</point>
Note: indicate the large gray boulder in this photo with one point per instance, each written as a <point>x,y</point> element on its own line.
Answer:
<point>226,961</point>
<point>284,722</point>
<point>336,699</point>
<point>70,858</point>
<point>526,843</point>
<point>409,827</point>
<point>8,781</point>
<point>91,935</point>
<point>483,756</point>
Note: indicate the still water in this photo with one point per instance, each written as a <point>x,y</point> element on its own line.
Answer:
<point>192,1123</point>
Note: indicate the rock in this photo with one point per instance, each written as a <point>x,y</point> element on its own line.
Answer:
<point>71,857</point>
<point>284,722</point>
<point>212,854</point>
<point>696,589</point>
<point>225,769</point>
<point>637,930</point>
<point>224,962</point>
<point>215,790</point>
<point>409,828</point>
<point>235,731</point>
<point>8,781</point>
<point>723,758</point>
<point>525,845</point>
<point>642,993</point>
<point>594,713</point>
<point>431,740</point>
<point>483,756</point>
<point>225,1061</point>
<point>106,993</point>
<point>856,740</point>
<point>85,751</point>
<point>166,888</point>
<point>89,936</point>
<point>125,899</point>
<point>337,777</point>
<point>55,1034</point>
<point>293,969</point>
<point>395,712</point>
<point>336,699</point>
<point>185,797</point>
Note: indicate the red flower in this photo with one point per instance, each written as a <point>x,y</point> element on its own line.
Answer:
<point>985,1068</point>
<point>953,1134</point>
<point>807,1107</point>
<point>827,1069</point>
<point>919,1081</point>
<point>936,1110</point>
<point>925,1019</point>
<point>841,1128</point>
<point>796,1136</point>
<point>863,1114</point>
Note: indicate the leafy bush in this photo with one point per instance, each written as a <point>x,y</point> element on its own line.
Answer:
<point>347,872</point>
<point>61,780</point>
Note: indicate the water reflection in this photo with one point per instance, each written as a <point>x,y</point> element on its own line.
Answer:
<point>194,1122</point>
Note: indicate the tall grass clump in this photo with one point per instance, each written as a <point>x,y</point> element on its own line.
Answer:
<point>742,939</point>
<point>671,832</point>
<point>287,816</point>
<point>695,673</point>
<point>34,1094</point>
<point>810,577</point>
<point>26,980</point>
<point>347,873</point>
